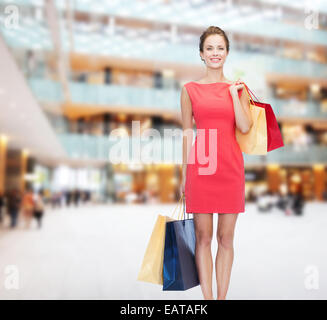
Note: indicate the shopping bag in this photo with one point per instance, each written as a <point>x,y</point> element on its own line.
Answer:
<point>152,265</point>
<point>274,137</point>
<point>151,269</point>
<point>255,140</point>
<point>179,268</point>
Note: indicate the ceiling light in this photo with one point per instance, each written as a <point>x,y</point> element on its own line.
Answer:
<point>315,88</point>
<point>3,139</point>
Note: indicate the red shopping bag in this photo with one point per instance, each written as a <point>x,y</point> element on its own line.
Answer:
<point>274,135</point>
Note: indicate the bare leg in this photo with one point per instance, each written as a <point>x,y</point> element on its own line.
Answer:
<point>28,218</point>
<point>203,257</point>
<point>225,253</point>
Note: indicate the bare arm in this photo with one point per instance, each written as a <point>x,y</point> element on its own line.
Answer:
<point>187,121</point>
<point>243,117</point>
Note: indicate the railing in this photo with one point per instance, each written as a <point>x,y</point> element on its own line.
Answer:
<point>34,35</point>
<point>186,15</point>
<point>170,151</point>
<point>160,99</point>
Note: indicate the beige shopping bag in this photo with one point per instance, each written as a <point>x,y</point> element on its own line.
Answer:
<point>255,141</point>
<point>152,265</point>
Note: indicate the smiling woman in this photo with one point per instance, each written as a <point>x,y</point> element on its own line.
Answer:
<point>213,168</point>
<point>207,48</point>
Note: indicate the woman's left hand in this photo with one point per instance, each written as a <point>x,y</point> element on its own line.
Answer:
<point>235,86</point>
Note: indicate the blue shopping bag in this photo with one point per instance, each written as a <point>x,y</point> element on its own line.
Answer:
<point>179,267</point>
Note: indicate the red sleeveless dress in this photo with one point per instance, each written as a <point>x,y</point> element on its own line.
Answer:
<point>215,179</point>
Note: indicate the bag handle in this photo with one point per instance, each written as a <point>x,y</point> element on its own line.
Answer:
<point>249,97</point>
<point>179,214</point>
<point>247,90</point>
<point>248,94</point>
<point>184,206</point>
<point>182,199</point>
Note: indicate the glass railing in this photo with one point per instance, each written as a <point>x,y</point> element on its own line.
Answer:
<point>297,109</point>
<point>46,90</point>
<point>170,151</point>
<point>186,14</point>
<point>160,99</point>
<point>82,146</point>
<point>296,154</point>
<point>34,35</point>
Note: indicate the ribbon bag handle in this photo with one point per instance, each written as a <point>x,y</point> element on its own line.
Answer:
<point>184,206</point>
<point>180,201</point>
<point>249,96</point>
<point>248,90</point>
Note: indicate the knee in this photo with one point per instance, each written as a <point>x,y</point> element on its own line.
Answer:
<point>204,238</point>
<point>225,241</point>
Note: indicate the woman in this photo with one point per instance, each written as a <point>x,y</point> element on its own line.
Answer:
<point>1,205</point>
<point>39,208</point>
<point>13,205</point>
<point>28,207</point>
<point>213,175</point>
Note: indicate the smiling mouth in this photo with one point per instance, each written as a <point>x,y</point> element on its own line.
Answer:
<point>215,59</point>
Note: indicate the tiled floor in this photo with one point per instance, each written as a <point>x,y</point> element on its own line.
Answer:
<point>96,253</point>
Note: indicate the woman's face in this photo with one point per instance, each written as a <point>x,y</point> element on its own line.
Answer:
<point>214,51</point>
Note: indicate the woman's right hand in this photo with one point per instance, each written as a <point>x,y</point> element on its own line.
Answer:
<point>182,187</point>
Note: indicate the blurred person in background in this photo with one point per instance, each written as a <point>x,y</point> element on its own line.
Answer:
<point>2,202</point>
<point>289,203</point>
<point>266,201</point>
<point>13,206</point>
<point>76,197</point>
<point>31,63</point>
<point>28,207</point>
<point>60,199</point>
<point>56,200</point>
<point>53,200</point>
<point>87,196</point>
<point>298,201</point>
<point>39,208</point>
<point>312,136</point>
<point>324,194</point>
<point>283,198</point>
<point>252,196</point>
<point>46,196</point>
<point>68,197</point>
<point>301,140</point>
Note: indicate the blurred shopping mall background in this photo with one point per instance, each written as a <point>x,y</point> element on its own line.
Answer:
<point>74,71</point>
